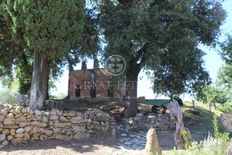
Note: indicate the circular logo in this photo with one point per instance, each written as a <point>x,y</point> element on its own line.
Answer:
<point>115,65</point>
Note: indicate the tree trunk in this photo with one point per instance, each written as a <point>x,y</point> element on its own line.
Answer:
<point>69,82</point>
<point>39,84</point>
<point>132,83</point>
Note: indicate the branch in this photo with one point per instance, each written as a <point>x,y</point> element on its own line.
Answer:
<point>140,55</point>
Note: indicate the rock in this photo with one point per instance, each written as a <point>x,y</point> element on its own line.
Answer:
<point>19,135</point>
<point>77,128</point>
<point>24,110</point>
<point>79,114</point>
<point>10,137</point>
<point>151,116</point>
<point>63,119</point>
<point>18,110</point>
<point>4,111</point>
<point>37,112</point>
<point>59,125</point>
<point>76,120</point>
<point>50,123</point>
<point>11,126</point>
<point>139,114</point>
<point>152,144</point>
<point>68,124</point>
<point>48,132</point>
<point>54,117</point>
<point>22,124</point>
<point>5,143</point>
<point>6,131</point>
<point>38,118</point>
<point>81,135</point>
<point>69,113</point>
<point>2,117</point>
<point>18,141</point>
<point>9,121</point>
<point>35,129</point>
<point>55,112</point>
<point>37,123</point>
<point>124,135</point>
<point>56,130</point>
<point>12,132</point>
<point>21,119</point>
<point>2,146</point>
<point>60,137</point>
<point>138,117</point>
<point>46,113</point>
<point>27,129</point>
<point>10,115</point>
<point>27,136</point>
<point>44,119</point>
<point>2,137</point>
<point>20,130</point>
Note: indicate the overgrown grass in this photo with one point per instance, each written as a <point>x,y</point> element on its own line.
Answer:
<point>217,144</point>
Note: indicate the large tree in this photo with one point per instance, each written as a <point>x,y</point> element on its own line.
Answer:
<point>48,30</point>
<point>161,36</point>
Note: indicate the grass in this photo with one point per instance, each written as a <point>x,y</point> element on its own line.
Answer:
<point>217,142</point>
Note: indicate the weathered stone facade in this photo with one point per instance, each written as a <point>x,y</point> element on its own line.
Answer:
<point>87,82</point>
<point>18,124</point>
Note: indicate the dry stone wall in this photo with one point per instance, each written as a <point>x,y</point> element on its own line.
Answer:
<point>18,124</point>
<point>157,121</point>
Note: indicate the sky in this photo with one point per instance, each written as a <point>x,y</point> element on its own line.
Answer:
<point>212,63</point>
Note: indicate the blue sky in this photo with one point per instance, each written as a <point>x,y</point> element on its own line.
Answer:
<point>212,62</point>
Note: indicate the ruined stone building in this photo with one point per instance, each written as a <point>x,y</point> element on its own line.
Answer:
<point>91,83</point>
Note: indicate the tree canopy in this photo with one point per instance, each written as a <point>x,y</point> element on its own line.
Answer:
<point>162,36</point>
<point>48,31</point>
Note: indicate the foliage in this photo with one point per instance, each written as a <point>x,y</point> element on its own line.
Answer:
<point>46,27</point>
<point>224,74</point>
<point>225,108</point>
<point>227,50</point>
<point>212,94</point>
<point>9,50</point>
<point>60,37</point>
<point>224,77</point>
<point>162,36</point>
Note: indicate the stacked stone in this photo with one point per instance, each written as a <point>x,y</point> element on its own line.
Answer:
<point>158,121</point>
<point>18,124</point>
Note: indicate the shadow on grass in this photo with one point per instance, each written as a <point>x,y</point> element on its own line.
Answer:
<point>201,119</point>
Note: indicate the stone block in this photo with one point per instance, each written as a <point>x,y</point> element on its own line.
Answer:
<point>9,121</point>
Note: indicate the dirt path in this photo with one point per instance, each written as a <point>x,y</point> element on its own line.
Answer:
<point>98,145</point>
